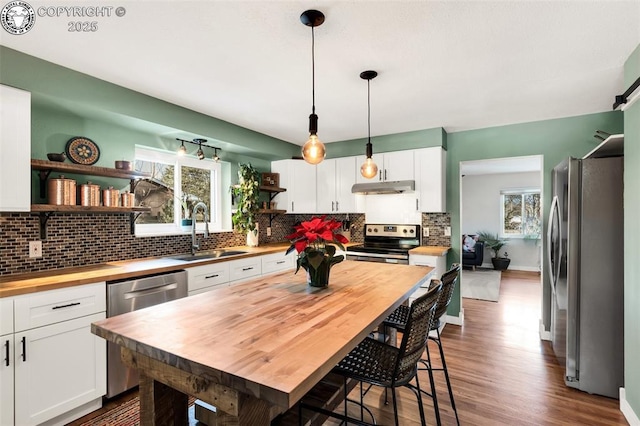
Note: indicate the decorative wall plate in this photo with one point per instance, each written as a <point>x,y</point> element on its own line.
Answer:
<point>82,150</point>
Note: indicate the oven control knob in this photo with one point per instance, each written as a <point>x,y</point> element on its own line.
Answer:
<point>404,230</point>
<point>375,229</point>
<point>411,232</point>
<point>368,229</point>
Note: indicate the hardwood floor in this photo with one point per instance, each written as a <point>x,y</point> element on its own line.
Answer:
<point>501,373</point>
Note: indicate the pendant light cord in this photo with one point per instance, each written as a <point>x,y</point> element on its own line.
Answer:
<point>369,108</point>
<point>313,73</point>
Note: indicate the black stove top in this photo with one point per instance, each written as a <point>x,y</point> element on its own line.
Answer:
<point>382,248</point>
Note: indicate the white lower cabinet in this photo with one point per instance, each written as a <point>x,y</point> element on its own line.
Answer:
<point>6,380</point>
<point>276,262</point>
<point>54,370</point>
<point>207,277</point>
<point>439,263</point>
<point>243,269</point>
<point>57,369</point>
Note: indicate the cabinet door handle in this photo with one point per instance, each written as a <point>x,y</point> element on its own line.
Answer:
<point>66,306</point>
<point>337,206</point>
<point>292,209</point>
<point>247,269</point>
<point>417,208</point>
<point>6,352</point>
<point>380,178</point>
<point>332,205</point>
<point>385,174</point>
<point>280,262</point>
<point>24,348</point>
<point>211,276</point>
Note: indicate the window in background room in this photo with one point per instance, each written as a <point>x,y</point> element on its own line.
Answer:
<point>176,185</point>
<point>521,213</point>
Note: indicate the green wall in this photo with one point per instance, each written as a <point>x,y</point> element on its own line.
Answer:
<point>85,100</point>
<point>554,139</point>
<point>632,236</point>
<point>396,142</point>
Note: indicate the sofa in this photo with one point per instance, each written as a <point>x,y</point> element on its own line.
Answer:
<point>472,251</point>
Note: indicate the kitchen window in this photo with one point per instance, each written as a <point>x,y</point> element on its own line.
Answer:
<point>176,185</point>
<point>520,213</point>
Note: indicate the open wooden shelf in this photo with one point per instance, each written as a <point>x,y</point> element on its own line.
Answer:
<point>37,208</point>
<point>272,189</point>
<point>272,211</point>
<point>55,166</point>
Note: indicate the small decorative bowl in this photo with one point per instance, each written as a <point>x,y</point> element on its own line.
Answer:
<point>56,157</point>
<point>123,165</point>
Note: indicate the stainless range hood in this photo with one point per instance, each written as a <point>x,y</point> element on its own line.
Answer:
<point>394,187</point>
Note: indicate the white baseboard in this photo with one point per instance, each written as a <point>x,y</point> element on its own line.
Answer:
<point>459,320</point>
<point>626,409</point>
<point>544,334</point>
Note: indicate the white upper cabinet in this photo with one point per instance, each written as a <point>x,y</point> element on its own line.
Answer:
<point>430,175</point>
<point>299,179</point>
<point>397,165</point>
<point>15,150</point>
<point>335,177</point>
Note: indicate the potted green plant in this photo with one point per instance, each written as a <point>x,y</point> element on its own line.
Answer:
<point>247,194</point>
<point>495,244</point>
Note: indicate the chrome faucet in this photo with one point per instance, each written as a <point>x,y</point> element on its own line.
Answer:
<point>205,210</point>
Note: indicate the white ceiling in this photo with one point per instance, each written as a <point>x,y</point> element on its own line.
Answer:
<point>453,64</point>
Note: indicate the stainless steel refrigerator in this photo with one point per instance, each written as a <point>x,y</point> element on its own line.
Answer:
<point>585,252</point>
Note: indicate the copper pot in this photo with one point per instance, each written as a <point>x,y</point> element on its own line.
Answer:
<point>127,199</point>
<point>61,191</point>
<point>110,197</point>
<point>89,194</point>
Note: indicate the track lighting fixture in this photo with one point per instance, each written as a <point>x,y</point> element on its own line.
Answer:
<point>200,152</point>
<point>313,150</point>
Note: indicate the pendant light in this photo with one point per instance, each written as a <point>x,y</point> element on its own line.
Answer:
<point>369,169</point>
<point>215,155</point>
<point>313,150</point>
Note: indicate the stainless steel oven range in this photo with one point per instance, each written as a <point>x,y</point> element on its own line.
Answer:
<point>386,243</point>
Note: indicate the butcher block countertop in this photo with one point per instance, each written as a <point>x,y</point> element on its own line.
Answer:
<point>430,250</point>
<point>273,337</point>
<point>14,285</point>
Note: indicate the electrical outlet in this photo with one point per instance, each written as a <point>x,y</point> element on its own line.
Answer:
<point>35,249</point>
<point>425,232</point>
<point>447,231</point>
<point>268,231</point>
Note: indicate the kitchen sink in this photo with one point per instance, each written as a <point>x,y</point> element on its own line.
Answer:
<point>207,255</point>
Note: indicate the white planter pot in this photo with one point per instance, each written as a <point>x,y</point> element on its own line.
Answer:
<point>252,237</point>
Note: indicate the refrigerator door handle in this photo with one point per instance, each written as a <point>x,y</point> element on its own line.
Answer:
<point>554,225</point>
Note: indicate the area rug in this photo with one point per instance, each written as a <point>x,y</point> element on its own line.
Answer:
<point>483,284</point>
<point>126,414</point>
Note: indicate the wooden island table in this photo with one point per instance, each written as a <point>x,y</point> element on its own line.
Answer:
<point>254,349</point>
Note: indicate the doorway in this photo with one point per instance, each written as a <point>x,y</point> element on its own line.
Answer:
<point>503,197</point>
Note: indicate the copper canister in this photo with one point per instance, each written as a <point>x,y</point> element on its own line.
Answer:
<point>89,194</point>
<point>110,197</point>
<point>61,191</point>
<point>127,199</point>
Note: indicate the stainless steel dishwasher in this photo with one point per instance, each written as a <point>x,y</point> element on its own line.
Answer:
<point>128,296</point>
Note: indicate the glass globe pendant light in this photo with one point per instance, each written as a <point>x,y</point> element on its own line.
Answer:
<point>313,150</point>
<point>369,169</point>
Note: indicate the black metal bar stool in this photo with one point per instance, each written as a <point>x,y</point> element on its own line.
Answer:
<point>398,320</point>
<point>378,363</point>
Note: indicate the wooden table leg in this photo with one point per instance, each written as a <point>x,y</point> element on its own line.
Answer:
<point>161,405</point>
<point>251,412</point>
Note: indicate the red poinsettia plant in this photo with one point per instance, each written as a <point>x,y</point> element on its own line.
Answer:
<point>313,241</point>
